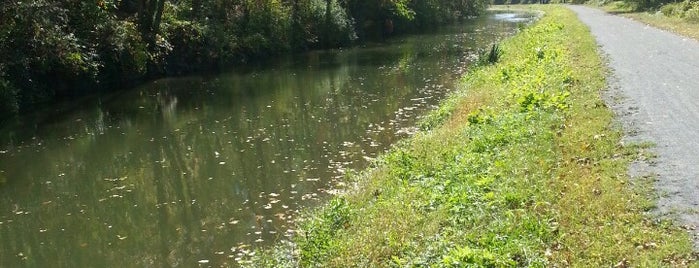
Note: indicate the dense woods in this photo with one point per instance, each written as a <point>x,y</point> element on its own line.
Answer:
<point>64,48</point>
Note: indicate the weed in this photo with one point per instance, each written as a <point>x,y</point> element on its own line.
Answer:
<point>316,241</point>
<point>490,57</point>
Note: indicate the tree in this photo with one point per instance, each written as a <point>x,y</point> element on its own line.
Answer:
<point>70,47</point>
<point>150,15</point>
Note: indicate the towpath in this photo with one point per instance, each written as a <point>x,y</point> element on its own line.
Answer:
<point>655,94</point>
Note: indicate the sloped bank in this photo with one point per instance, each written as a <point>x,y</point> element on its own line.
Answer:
<point>521,167</point>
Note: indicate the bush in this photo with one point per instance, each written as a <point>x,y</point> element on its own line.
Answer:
<point>189,48</point>
<point>688,10</point>
<point>125,54</point>
<point>490,57</point>
<point>676,9</point>
<point>330,28</point>
<point>263,29</point>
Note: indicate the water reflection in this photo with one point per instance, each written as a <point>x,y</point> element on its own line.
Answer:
<point>198,170</point>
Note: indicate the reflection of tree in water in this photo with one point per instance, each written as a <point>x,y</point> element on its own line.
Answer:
<point>185,169</point>
<point>144,181</point>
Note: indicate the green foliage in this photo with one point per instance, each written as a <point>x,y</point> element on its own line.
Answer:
<point>316,242</point>
<point>498,185</point>
<point>337,29</point>
<point>480,117</point>
<point>66,47</point>
<point>263,27</point>
<point>437,117</point>
<point>688,10</point>
<point>483,184</point>
<point>667,7</point>
<point>379,18</point>
<point>127,52</point>
<point>477,184</point>
<point>281,256</point>
<point>189,49</point>
<point>545,86</point>
<point>467,257</point>
<point>39,46</point>
<point>401,9</point>
<point>492,56</point>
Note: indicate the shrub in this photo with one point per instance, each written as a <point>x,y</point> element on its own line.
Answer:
<point>328,29</point>
<point>189,49</point>
<point>491,57</point>
<point>126,54</point>
<point>264,27</point>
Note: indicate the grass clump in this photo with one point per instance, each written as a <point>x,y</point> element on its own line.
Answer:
<point>519,168</point>
<point>492,56</point>
<point>316,240</point>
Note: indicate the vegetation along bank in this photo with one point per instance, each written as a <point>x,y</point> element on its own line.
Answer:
<point>520,167</point>
<point>67,48</point>
<point>679,17</point>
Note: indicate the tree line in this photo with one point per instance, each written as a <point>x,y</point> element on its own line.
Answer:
<point>66,48</point>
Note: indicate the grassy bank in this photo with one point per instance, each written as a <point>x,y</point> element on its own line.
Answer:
<point>521,167</point>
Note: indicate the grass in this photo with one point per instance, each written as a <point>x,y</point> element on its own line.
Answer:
<point>520,167</point>
<point>683,23</point>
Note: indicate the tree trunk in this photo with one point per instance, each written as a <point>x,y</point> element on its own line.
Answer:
<point>144,18</point>
<point>297,32</point>
<point>150,13</point>
<point>328,23</point>
<point>158,16</point>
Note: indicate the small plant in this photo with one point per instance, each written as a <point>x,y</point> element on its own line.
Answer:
<point>491,57</point>
<point>465,256</point>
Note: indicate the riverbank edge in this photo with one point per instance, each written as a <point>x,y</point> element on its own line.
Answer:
<point>522,166</point>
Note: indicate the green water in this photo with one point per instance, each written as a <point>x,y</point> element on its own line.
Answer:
<point>196,171</point>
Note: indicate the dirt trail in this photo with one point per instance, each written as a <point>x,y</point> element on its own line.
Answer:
<point>655,88</point>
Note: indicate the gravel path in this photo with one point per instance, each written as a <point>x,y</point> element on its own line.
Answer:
<point>655,88</point>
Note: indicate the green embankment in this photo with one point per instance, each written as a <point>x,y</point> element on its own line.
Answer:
<point>521,167</point>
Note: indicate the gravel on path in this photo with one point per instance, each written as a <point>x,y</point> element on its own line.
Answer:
<point>655,95</point>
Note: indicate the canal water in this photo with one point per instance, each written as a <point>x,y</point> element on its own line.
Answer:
<point>200,170</point>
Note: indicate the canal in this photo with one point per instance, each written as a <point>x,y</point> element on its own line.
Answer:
<point>199,170</point>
